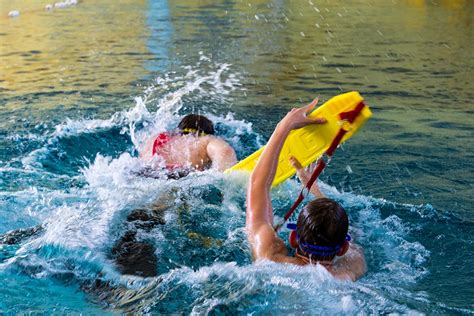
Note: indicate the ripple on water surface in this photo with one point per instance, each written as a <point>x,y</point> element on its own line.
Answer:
<point>78,177</point>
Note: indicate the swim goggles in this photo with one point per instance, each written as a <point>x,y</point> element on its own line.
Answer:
<point>323,251</point>
<point>192,131</point>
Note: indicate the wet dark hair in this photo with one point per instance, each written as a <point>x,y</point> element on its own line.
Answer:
<point>196,122</point>
<point>322,222</point>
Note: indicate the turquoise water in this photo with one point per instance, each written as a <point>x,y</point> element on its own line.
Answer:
<point>82,87</point>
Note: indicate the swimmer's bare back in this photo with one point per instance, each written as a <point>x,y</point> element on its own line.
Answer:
<point>192,151</point>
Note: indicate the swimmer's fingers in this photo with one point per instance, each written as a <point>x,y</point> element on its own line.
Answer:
<point>304,174</point>
<point>310,168</point>
<point>298,117</point>
<point>309,108</point>
<point>295,163</point>
<point>301,172</point>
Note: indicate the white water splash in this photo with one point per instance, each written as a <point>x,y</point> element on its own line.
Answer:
<point>166,95</point>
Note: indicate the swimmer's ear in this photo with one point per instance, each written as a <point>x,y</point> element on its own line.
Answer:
<point>292,239</point>
<point>343,250</point>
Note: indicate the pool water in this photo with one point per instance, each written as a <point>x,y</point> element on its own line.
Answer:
<point>83,86</point>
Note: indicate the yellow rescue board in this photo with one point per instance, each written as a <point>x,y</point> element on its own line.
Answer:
<point>307,144</point>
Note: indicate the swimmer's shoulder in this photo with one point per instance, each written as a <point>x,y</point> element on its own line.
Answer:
<point>352,265</point>
<point>215,140</point>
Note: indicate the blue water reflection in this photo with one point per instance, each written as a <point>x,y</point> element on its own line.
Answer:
<point>82,87</point>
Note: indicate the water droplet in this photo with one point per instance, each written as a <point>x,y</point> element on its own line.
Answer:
<point>349,169</point>
<point>13,13</point>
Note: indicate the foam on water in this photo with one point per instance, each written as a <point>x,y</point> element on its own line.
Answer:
<point>168,92</point>
<point>81,230</point>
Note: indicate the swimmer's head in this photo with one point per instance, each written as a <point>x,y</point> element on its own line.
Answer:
<point>194,123</point>
<point>322,224</point>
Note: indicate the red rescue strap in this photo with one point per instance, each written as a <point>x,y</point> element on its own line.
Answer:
<point>350,117</point>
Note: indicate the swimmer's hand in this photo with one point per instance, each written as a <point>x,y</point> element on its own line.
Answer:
<point>304,174</point>
<point>298,117</point>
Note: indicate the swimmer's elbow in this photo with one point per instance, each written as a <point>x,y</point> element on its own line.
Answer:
<point>221,154</point>
<point>228,158</point>
<point>258,185</point>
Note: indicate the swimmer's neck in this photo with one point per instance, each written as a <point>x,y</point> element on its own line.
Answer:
<point>306,260</point>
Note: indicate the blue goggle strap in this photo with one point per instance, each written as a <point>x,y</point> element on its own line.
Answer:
<point>317,250</point>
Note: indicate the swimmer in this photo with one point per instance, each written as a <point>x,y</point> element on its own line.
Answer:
<point>193,146</point>
<point>320,234</point>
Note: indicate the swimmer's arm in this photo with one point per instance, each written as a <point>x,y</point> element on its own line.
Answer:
<point>221,154</point>
<point>304,174</point>
<point>259,221</point>
<point>259,204</point>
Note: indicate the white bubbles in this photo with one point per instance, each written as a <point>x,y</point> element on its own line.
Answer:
<point>347,303</point>
<point>14,13</point>
<point>48,7</point>
<point>77,127</point>
<point>204,80</point>
<point>60,5</point>
<point>65,4</point>
<point>282,281</point>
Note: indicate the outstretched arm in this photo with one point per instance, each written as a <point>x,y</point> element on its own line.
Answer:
<point>304,174</point>
<point>221,154</point>
<point>259,223</point>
